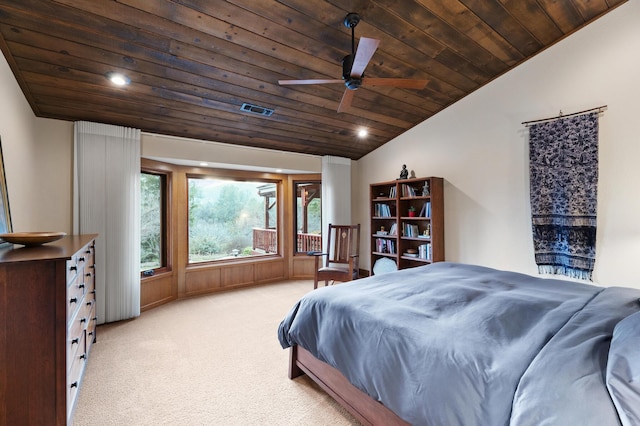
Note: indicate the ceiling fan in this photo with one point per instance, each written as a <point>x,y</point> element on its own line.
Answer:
<point>353,66</point>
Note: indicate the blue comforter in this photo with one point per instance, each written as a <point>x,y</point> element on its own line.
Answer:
<point>452,344</point>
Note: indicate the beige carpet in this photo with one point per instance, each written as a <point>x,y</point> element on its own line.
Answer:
<point>208,360</point>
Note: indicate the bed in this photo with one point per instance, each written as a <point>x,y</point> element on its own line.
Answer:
<point>455,344</point>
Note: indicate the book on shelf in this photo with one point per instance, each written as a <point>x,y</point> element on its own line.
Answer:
<point>385,246</point>
<point>426,210</point>
<point>382,210</point>
<point>410,230</point>
<point>424,251</point>
<point>394,229</point>
<point>408,190</point>
<point>392,192</point>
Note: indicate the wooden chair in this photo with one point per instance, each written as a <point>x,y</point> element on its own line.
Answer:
<point>342,260</point>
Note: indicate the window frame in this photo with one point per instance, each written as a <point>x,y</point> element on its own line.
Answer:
<point>294,214</point>
<point>166,264</point>
<point>230,176</point>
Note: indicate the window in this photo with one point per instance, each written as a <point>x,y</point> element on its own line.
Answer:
<point>308,217</point>
<point>231,219</point>
<point>153,221</point>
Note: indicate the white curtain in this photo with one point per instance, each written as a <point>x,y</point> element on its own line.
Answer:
<point>106,202</point>
<point>336,193</point>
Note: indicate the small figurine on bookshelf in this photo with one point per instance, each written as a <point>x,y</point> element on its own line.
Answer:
<point>404,173</point>
<point>381,231</point>
<point>425,189</point>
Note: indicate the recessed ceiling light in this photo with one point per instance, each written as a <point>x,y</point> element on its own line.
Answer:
<point>118,79</point>
<point>278,170</point>
<point>362,133</point>
<point>203,164</point>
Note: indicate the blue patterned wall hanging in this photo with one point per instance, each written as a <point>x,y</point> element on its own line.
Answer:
<point>563,160</point>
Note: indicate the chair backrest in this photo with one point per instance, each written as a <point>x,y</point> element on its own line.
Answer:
<point>343,242</point>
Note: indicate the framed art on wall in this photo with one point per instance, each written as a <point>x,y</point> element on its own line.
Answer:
<point>5,214</point>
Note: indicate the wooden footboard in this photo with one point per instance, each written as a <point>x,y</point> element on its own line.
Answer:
<point>364,408</point>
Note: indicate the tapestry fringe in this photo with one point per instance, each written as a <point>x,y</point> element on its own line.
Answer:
<point>578,274</point>
<point>564,220</point>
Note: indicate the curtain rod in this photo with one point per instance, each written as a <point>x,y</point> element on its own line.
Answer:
<point>599,109</point>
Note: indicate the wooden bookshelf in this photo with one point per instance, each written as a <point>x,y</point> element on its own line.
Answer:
<point>408,238</point>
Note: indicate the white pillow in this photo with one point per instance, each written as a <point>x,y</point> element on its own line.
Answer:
<point>623,369</point>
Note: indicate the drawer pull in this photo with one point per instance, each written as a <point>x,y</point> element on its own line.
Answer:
<point>83,320</point>
<point>89,303</point>
<point>95,318</point>
<point>93,292</point>
<point>88,274</point>
<point>73,268</point>
<point>88,251</point>
<point>83,356</point>
<point>74,385</point>
<point>81,286</point>
<point>81,259</point>
<point>73,300</point>
<point>75,341</point>
<point>91,333</point>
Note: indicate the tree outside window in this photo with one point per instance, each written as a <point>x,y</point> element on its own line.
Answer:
<point>153,189</point>
<point>231,219</point>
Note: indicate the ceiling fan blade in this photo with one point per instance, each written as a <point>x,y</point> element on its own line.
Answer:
<point>345,102</point>
<point>404,83</point>
<point>319,81</point>
<point>366,48</point>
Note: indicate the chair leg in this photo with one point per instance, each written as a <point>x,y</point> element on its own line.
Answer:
<point>315,283</point>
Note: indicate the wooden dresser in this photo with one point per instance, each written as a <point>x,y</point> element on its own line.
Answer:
<point>47,327</point>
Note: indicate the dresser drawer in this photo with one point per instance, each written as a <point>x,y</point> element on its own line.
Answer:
<point>72,268</point>
<point>75,336</point>
<point>91,328</point>
<point>75,295</point>
<point>89,278</point>
<point>90,304</point>
<point>77,326</point>
<point>75,348</point>
<point>74,375</point>
<point>89,254</point>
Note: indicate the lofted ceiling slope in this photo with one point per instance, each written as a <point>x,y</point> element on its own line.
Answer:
<point>193,63</point>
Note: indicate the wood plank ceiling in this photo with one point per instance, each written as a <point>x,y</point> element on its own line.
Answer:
<point>193,63</point>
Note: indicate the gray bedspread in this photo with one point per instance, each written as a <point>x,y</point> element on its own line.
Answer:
<point>452,344</point>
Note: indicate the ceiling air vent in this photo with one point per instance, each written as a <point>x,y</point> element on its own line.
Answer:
<point>255,109</point>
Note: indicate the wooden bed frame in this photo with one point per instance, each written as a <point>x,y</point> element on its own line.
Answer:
<point>364,408</point>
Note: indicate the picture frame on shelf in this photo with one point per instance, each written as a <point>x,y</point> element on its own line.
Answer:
<point>5,212</point>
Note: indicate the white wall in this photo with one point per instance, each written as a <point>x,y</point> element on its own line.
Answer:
<point>167,148</point>
<point>480,148</point>
<point>38,161</point>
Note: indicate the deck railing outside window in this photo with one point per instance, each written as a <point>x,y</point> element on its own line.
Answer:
<point>265,240</point>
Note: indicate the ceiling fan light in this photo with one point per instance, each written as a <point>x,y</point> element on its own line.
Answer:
<point>362,133</point>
